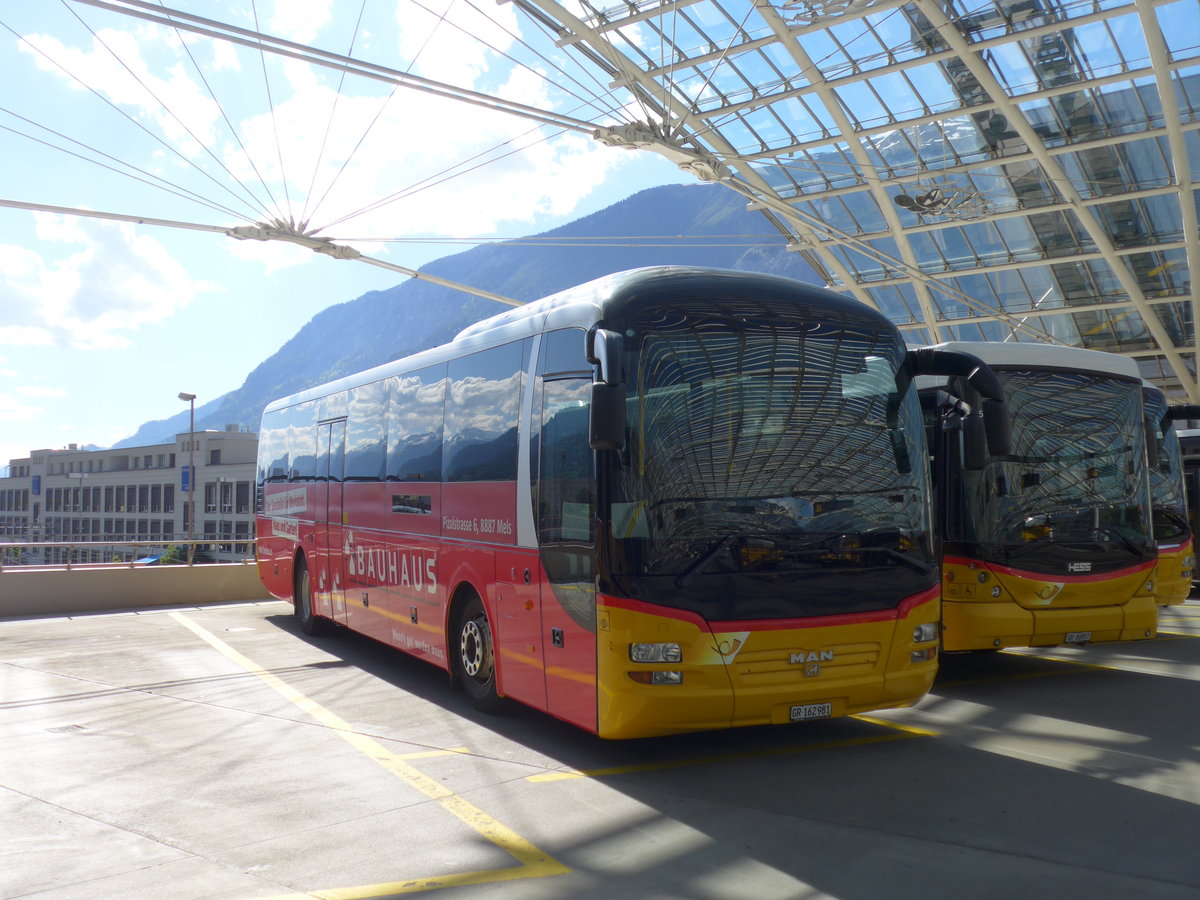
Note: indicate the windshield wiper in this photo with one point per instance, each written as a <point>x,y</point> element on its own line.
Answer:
<point>1025,548</point>
<point>904,559</point>
<point>688,575</point>
<point>1128,542</point>
<point>915,564</point>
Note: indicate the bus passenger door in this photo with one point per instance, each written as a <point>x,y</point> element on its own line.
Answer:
<point>331,534</point>
<point>565,516</point>
<point>519,627</point>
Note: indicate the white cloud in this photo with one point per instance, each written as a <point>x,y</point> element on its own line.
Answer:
<point>24,335</point>
<point>34,390</point>
<point>303,165</point>
<point>300,20</point>
<point>511,174</point>
<point>110,279</point>
<point>13,410</point>
<point>451,44</point>
<point>116,67</point>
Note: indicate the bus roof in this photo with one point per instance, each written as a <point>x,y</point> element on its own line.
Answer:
<point>1048,356</point>
<point>586,304</point>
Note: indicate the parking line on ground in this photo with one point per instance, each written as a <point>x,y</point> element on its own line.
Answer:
<point>533,862</point>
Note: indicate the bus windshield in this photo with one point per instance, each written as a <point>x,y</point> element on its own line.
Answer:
<point>771,469</point>
<point>1166,476</point>
<point>1074,481</point>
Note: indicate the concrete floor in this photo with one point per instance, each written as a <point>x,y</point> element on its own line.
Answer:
<point>216,752</point>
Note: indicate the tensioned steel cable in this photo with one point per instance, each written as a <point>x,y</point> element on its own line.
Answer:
<point>228,124</point>
<point>150,178</point>
<point>163,105</point>
<point>262,57</point>
<point>172,150</point>
<point>305,216</point>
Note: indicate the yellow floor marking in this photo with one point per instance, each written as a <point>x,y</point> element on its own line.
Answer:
<point>902,732</point>
<point>898,726</point>
<point>533,862</point>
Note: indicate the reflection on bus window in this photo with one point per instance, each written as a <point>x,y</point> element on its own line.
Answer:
<point>414,425</point>
<point>481,415</point>
<point>366,435</point>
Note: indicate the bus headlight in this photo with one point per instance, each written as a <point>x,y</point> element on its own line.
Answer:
<point>655,653</point>
<point>926,632</point>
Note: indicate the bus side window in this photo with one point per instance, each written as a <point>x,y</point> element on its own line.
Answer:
<point>565,494</point>
<point>482,410</point>
<point>366,432</point>
<point>302,443</point>
<point>566,498</point>
<point>416,410</point>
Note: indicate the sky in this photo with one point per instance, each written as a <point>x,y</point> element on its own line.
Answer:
<point>104,321</point>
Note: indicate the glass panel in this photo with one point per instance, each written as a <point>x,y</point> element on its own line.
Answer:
<point>366,432</point>
<point>481,415</point>
<point>416,408</point>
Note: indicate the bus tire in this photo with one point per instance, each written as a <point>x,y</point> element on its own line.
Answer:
<point>476,655</point>
<point>310,622</point>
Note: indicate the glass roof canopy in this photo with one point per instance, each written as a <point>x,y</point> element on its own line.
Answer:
<point>977,169</point>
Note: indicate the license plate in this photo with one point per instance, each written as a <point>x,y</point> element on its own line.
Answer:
<point>812,711</point>
<point>1078,637</point>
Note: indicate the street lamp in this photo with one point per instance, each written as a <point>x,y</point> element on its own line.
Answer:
<point>191,500</point>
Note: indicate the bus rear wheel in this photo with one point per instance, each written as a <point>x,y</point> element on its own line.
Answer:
<point>477,656</point>
<point>310,622</point>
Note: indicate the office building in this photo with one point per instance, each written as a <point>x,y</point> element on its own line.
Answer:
<point>102,500</point>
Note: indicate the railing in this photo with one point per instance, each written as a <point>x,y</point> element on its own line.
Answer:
<point>10,552</point>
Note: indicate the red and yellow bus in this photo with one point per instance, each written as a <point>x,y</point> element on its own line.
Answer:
<point>668,500</point>
<point>1172,525</point>
<point>1052,542</point>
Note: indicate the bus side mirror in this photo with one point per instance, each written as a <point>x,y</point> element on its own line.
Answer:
<point>997,427</point>
<point>606,423</point>
<point>603,349</point>
<point>996,424</point>
<point>974,442</point>
<point>1152,442</point>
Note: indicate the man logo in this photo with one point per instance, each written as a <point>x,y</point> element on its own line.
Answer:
<point>811,656</point>
<point>811,670</point>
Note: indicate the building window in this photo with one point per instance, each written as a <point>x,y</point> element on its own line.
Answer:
<point>242,500</point>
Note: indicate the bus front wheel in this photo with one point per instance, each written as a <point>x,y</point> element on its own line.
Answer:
<point>310,622</point>
<point>476,656</point>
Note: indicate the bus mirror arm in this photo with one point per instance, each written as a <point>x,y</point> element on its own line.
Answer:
<point>934,361</point>
<point>1180,411</point>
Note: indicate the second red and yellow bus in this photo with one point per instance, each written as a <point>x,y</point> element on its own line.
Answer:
<point>1172,524</point>
<point>1052,542</point>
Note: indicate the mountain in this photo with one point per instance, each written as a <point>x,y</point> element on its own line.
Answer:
<point>710,223</point>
